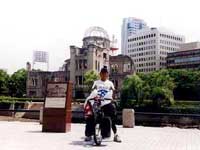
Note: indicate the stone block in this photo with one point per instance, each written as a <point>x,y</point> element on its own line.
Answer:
<point>128,118</point>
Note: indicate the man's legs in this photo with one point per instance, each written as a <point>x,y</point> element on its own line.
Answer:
<point>89,128</point>
<point>110,111</point>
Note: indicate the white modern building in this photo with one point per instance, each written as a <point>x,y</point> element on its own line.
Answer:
<point>129,27</point>
<point>149,47</point>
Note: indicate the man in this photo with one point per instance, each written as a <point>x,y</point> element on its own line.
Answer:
<point>103,86</point>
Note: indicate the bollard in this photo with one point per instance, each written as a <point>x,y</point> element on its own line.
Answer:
<point>41,115</point>
<point>128,118</point>
<point>12,107</point>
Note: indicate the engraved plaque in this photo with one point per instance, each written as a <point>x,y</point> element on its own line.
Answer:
<point>55,102</point>
<point>56,90</point>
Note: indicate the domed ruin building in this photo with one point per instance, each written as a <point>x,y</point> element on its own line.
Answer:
<point>93,55</point>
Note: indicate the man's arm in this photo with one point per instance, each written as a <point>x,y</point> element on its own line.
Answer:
<point>113,89</point>
<point>94,85</point>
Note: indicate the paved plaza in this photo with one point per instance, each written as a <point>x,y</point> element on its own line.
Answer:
<point>28,136</point>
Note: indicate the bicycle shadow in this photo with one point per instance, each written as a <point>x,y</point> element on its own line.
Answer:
<point>83,143</point>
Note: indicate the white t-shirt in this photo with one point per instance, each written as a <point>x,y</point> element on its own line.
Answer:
<point>102,89</point>
<point>105,85</point>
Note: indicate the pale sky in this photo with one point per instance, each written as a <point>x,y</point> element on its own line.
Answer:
<point>54,25</point>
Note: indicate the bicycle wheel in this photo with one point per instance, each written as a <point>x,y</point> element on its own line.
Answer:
<point>97,135</point>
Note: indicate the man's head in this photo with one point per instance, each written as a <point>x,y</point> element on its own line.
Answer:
<point>104,73</point>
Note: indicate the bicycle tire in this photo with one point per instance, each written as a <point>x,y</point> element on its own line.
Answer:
<point>97,135</point>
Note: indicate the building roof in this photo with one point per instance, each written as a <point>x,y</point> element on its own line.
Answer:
<point>185,52</point>
<point>190,46</point>
<point>119,57</point>
<point>96,31</point>
<point>159,29</point>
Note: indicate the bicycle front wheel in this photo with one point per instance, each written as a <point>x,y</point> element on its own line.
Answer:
<point>97,134</point>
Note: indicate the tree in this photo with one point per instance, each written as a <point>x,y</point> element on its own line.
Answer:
<point>17,83</point>
<point>89,78</point>
<point>134,86</point>
<point>161,79</point>
<point>187,84</point>
<point>161,87</point>
<point>3,82</point>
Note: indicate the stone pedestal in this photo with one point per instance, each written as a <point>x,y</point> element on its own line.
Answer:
<point>128,118</point>
<point>57,107</point>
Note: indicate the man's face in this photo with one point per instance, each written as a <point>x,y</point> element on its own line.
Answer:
<point>104,76</point>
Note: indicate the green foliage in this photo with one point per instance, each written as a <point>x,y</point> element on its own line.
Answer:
<point>186,103</point>
<point>14,85</point>
<point>3,82</point>
<point>161,87</point>
<point>134,87</point>
<point>160,79</point>
<point>89,78</point>
<point>184,107</point>
<point>17,83</point>
<point>187,84</point>
<point>164,86</point>
<point>157,86</point>
<point>162,97</point>
<point>8,99</point>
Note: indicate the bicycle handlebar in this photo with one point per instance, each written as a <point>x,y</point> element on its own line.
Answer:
<point>102,99</point>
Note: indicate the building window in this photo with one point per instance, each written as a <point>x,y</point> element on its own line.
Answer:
<point>76,80</point>
<point>34,82</point>
<point>80,64</point>
<point>85,64</point>
<point>32,93</point>
<point>76,65</point>
<point>116,84</point>
<point>80,80</point>
<point>96,64</point>
<point>96,53</point>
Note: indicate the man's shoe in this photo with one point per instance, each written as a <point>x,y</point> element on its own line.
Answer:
<point>117,139</point>
<point>88,138</point>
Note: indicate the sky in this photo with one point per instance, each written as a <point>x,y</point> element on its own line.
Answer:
<point>54,25</point>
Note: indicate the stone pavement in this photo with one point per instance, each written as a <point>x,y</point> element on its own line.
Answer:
<point>28,136</point>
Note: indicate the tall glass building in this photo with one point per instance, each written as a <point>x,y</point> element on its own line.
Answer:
<point>129,27</point>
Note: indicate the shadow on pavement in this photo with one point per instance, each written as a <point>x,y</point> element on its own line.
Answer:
<point>35,132</point>
<point>86,144</point>
<point>39,131</point>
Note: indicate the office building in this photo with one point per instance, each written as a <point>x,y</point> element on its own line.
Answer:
<point>149,48</point>
<point>129,27</point>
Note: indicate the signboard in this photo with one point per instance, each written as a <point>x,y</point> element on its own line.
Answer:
<point>56,95</point>
<point>40,56</point>
<point>52,102</point>
<point>56,90</point>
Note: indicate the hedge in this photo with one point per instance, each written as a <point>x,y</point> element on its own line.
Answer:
<point>5,99</point>
<point>180,107</point>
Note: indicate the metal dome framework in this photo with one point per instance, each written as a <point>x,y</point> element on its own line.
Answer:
<point>96,32</point>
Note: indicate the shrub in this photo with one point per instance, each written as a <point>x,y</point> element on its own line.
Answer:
<point>162,97</point>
